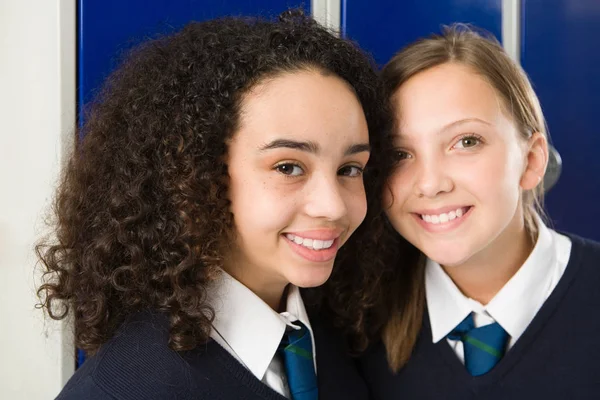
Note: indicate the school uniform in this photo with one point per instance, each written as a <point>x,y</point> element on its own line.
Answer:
<point>546,312</point>
<point>241,361</point>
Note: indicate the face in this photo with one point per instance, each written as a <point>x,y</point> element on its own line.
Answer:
<point>462,166</point>
<point>296,185</point>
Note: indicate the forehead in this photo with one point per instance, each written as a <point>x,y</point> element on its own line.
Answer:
<point>305,103</point>
<point>442,95</point>
<point>300,88</point>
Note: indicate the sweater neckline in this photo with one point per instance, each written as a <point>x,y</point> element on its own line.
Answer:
<point>240,373</point>
<point>522,345</point>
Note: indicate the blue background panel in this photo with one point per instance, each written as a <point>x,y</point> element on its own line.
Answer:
<point>561,54</point>
<point>384,27</point>
<point>107,28</point>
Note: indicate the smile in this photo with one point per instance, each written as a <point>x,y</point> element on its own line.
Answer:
<point>312,244</point>
<point>444,217</point>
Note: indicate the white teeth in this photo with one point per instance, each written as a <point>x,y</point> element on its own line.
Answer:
<point>443,218</point>
<point>313,244</point>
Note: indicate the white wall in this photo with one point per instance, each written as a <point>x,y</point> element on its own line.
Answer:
<point>37,101</point>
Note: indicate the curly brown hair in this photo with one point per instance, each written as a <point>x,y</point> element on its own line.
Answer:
<point>141,215</point>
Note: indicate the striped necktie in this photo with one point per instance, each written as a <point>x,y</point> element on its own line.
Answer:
<point>483,346</point>
<point>296,351</point>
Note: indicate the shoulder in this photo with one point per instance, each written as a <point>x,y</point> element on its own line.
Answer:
<point>83,386</point>
<point>582,273</point>
<point>586,251</point>
<point>135,364</point>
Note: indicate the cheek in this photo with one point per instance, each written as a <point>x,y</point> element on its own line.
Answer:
<point>259,205</point>
<point>495,181</point>
<point>394,196</point>
<point>388,196</point>
<point>396,190</point>
<point>259,222</point>
<point>356,203</point>
<point>506,169</point>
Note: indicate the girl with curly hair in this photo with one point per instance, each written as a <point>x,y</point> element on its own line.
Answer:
<point>220,170</point>
<point>500,306</point>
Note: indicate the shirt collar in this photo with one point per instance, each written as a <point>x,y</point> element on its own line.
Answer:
<point>513,307</point>
<point>251,328</point>
<point>446,305</point>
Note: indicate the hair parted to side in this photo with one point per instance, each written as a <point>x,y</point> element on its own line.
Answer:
<point>141,216</point>
<point>483,54</point>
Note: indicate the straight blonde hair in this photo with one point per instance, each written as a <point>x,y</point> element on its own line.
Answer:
<point>484,55</point>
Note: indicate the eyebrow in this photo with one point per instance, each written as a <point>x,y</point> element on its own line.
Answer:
<point>357,148</point>
<point>311,147</point>
<point>464,121</point>
<point>450,125</point>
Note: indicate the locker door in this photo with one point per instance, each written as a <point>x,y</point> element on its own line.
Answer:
<point>383,27</point>
<point>107,28</point>
<point>561,54</point>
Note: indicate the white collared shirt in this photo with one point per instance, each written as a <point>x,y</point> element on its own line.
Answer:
<point>251,331</point>
<point>513,307</point>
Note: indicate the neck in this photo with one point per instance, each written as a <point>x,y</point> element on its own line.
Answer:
<point>270,290</point>
<point>486,273</point>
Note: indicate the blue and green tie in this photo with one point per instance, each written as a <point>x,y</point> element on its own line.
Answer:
<point>483,346</point>
<point>296,351</point>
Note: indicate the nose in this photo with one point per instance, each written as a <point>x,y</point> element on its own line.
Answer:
<point>326,198</point>
<point>432,178</point>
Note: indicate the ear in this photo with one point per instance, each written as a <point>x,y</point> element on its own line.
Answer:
<point>536,161</point>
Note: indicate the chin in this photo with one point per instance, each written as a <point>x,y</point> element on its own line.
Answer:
<point>447,257</point>
<point>308,277</point>
<point>449,262</point>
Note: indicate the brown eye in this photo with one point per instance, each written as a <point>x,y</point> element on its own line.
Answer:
<point>400,155</point>
<point>351,171</point>
<point>468,141</point>
<point>289,169</point>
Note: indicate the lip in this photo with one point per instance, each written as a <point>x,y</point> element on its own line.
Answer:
<point>318,256</point>
<point>444,226</point>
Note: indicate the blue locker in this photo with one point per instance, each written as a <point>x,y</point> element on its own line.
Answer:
<point>106,29</point>
<point>383,27</point>
<point>561,53</point>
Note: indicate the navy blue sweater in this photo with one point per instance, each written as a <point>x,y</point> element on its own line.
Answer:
<point>137,364</point>
<point>557,357</point>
